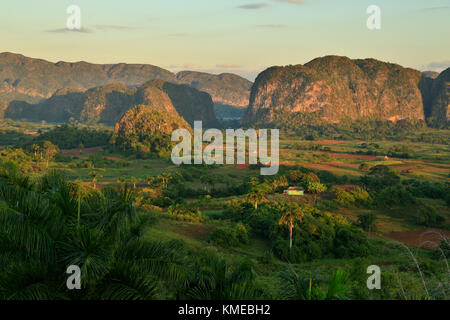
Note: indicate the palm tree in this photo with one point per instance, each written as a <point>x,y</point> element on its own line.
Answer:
<point>165,177</point>
<point>149,180</point>
<point>253,181</point>
<point>296,287</point>
<point>207,181</point>
<point>291,214</point>
<point>35,148</point>
<point>134,181</point>
<point>213,278</point>
<point>95,175</point>
<point>41,234</point>
<point>258,194</point>
<point>255,197</point>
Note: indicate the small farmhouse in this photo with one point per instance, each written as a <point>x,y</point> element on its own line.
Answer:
<point>295,191</point>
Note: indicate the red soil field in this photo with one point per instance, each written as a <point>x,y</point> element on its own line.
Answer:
<point>430,238</point>
<point>85,151</point>
<point>351,156</point>
<point>114,159</point>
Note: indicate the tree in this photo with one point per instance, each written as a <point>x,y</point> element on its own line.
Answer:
<point>253,181</point>
<point>134,181</point>
<point>35,148</point>
<point>95,176</point>
<point>121,180</point>
<point>315,188</point>
<point>295,175</point>
<point>297,287</point>
<point>52,237</point>
<point>214,278</point>
<point>258,194</point>
<point>380,177</point>
<point>149,180</point>
<point>164,178</point>
<point>255,197</point>
<point>81,147</point>
<point>364,166</point>
<point>50,150</point>
<point>279,183</point>
<point>207,181</point>
<point>367,221</point>
<point>291,214</point>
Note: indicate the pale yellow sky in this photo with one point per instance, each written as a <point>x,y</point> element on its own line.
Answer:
<point>243,37</point>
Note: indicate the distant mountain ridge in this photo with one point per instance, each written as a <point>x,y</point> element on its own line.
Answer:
<point>31,80</point>
<point>107,104</point>
<point>326,90</point>
<point>225,89</point>
<point>439,102</point>
<point>333,88</point>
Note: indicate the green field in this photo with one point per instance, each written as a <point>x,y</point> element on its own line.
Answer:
<point>211,211</point>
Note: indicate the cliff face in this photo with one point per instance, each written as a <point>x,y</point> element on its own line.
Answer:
<point>225,89</point>
<point>190,103</point>
<point>107,104</point>
<point>440,98</point>
<point>335,88</point>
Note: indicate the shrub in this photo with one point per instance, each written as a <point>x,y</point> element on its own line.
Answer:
<point>344,198</point>
<point>242,233</point>
<point>367,221</point>
<point>428,216</point>
<point>394,195</point>
<point>229,236</point>
<point>315,187</point>
<point>71,137</point>
<point>443,251</point>
<point>184,213</point>
<point>351,242</point>
<point>379,177</point>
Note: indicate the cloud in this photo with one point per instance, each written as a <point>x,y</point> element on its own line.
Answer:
<point>66,30</point>
<point>101,27</point>
<point>180,66</point>
<point>113,27</point>
<point>437,66</point>
<point>252,6</point>
<point>228,66</point>
<point>273,26</point>
<point>298,2</point>
<point>241,71</point>
<point>435,8</point>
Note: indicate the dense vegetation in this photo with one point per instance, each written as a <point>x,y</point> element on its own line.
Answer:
<point>72,137</point>
<point>141,228</point>
<point>145,129</point>
<point>310,127</point>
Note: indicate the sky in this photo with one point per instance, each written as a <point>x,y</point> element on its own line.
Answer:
<point>237,36</point>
